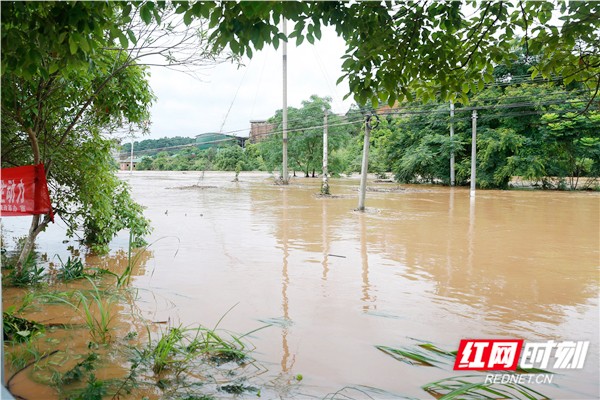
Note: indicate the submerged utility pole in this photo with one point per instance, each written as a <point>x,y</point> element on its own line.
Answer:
<point>284,169</point>
<point>365,163</point>
<point>452,172</point>
<point>325,184</point>
<point>473,153</point>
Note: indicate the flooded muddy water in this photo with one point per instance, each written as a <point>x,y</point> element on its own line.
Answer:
<point>422,264</point>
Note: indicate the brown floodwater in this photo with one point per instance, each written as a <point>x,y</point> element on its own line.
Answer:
<point>422,264</point>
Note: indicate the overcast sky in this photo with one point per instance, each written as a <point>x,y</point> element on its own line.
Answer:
<point>187,106</point>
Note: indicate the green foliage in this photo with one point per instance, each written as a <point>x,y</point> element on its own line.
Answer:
<point>224,158</point>
<point>78,372</point>
<point>305,137</point>
<point>228,158</point>
<point>34,48</point>
<point>178,348</point>
<point>22,354</point>
<point>63,89</point>
<point>543,138</point>
<point>156,144</point>
<point>94,390</point>
<point>472,387</point>
<point>445,49</point>
<point>19,329</point>
<point>424,354</point>
<point>31,274</point>
<point>96,311</point>
<point>462,387</point>
<point>71,270</point>
<point>527,130</point>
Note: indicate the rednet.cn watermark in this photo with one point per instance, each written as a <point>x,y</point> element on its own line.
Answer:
<point>509,354</point>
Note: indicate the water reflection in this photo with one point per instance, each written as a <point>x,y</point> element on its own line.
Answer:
<point>366,298</point>
<point>285,281</point>
<point>471,234</point>
<point>325,237</point>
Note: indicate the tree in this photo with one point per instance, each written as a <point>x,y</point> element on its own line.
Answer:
<point>305,143</point>
<point>405,50</point>
<point>72,77</point>
<point>535,131</point>
<point>229,158</point>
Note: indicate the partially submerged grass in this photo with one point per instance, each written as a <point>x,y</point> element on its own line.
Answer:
<point>95,310</point>
<point>471,387</point>
<point>424,354</point>
<point>71,270</point>
<point>177,348</point>
<point>19,356</point>
<point>462,387</point>
<point>181,362</point>
<point>31,274</point>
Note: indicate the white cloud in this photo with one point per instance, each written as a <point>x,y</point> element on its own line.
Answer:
<point>188,106</point>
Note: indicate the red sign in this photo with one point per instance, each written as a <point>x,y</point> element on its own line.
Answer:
<point>488,355</point>
<point>24,191</point>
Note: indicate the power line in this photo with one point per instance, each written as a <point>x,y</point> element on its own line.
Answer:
<point>404,111</point>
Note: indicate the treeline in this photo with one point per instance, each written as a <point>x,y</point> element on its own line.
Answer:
<point>539,132</point>
<point>227,157</point>
<point>534,131</point>
<point>157,144</point>
<point>544,132</point>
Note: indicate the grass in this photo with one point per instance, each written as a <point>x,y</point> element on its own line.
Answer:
<point>71,270</point>
<point>95,311</point>
<point>30,275</point>
<point>462,387</point>
<point>178,348</point>
<point>167,350</point>
<point>98,325</point>
<point>23,355</point>
<point>424,354</point>
<point>471,387</point>
<point>179,360</point>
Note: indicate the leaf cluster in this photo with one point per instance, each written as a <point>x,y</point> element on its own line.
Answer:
<point>404,50</point>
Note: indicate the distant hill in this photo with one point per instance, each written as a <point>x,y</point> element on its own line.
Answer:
<point>156,144</point>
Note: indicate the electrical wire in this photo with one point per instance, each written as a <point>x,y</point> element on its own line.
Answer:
<point>404,111</point>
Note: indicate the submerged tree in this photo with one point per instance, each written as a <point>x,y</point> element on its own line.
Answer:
<point>73,77</point>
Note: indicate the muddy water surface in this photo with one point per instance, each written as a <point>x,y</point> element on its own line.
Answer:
<point>423,264</point>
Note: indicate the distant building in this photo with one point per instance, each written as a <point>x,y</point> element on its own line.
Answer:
<point>124,163</point>
<point>386,109</point>
<point>259,130</point>
<point>212,139</point>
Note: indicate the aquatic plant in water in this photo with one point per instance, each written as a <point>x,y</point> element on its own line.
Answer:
<point>462,387</point>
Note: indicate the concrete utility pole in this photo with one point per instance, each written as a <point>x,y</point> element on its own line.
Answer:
<point>131,157</point>
<point>365,166</point>
<point>284,178</point>
<point>325,184</point>
<point>473,153</point>
<point>452,173</point>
